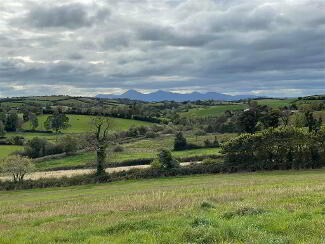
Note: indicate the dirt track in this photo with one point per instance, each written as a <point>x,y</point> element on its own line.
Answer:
<point>69,173</point>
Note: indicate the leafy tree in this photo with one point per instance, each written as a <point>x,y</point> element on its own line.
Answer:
<point>284,116</point>
<point>57,121</point>
<point>33,120</point>
<point>312,123</point>
<point>247,121</point>
<point>271,119</point>
<point>180,142</point>
<point>166,159</point>
<point>12,122</point>
<point>2,129</point>
<point>17,166</point>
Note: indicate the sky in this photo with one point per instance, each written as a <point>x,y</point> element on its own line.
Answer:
<point>87,47</point>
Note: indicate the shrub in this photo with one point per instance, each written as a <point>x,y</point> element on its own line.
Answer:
<point>151,134</point>
<point>156,164</point>
<point>69,143</point>
<point>118,148</point>
<point>272,149</point>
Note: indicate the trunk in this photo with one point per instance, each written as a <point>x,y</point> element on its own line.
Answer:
<point>101,158</point>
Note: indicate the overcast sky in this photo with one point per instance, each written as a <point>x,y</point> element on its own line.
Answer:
<point>85,47</point>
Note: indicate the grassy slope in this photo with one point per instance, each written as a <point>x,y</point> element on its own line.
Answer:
<point>82,123</point>
<point>170,211</point>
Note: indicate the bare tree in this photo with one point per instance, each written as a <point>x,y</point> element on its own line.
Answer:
<point>101,127</point>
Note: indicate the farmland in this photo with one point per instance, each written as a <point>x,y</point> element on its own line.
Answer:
<point>82,123</point>
<point>213,110</point>
<point>272,207</point>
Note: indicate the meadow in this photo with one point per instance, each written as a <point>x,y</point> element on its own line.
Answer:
<point>5,150</point>
<point>210,111</point>
<point>269,207</point>
<point>82,123</point>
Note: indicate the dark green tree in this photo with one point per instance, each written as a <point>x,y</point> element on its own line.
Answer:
<point>12,122</point>
<point>166,159</point>
<point>312,123</point>
<point>271,119</point>
<point>180,142</point>
<point>33,120</point>
<point>2,129</point>
<point>57,121</point>
<point>247,121</point>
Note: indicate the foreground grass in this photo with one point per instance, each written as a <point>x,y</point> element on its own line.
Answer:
<point>272,207</point>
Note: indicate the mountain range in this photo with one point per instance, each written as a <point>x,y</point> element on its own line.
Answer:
<point>172,96</point>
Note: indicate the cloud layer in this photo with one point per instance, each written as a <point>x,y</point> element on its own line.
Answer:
<point>266,47</point>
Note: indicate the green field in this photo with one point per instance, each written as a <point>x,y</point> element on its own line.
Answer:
<point>6,150</point>
<point>210,111</point>
<point>82,123</point>
<point>276,103</point>
<point>258,208</point>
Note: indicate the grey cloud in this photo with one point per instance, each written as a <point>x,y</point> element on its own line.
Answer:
<point>231,46</point>
<point>71,16</point>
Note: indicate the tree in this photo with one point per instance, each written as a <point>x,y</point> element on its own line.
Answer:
<point>180,142</point>
<point>101,127</point>
<point>57,121</point>
<point>312,123</point>
<point>166,159</point>
<point>247,121</point>
<point>2,129</point>
<point>12,122</point>
<point>17,166</point>
<point>284,116</point>
<point>33,120</point>
<point>271,119</point>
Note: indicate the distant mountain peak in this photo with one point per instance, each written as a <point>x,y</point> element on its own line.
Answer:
<point>162,95</point>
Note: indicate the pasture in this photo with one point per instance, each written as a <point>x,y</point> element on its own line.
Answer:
<point>5,150</point>
<point>268,207</point>
<point>211,111</point>
<point>82,123</point>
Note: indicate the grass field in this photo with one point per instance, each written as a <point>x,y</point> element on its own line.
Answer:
<point>82,123</point>
<point>276,103</point>
<point>258,208</point>
<point>210,111</point>
<point>6,150</point>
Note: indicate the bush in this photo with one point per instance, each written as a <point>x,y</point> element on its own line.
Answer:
<point>69,144</point>
<point>16,140</point>
<point>118,148</point>
<point>151,134</point>
<point>273,149</point>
